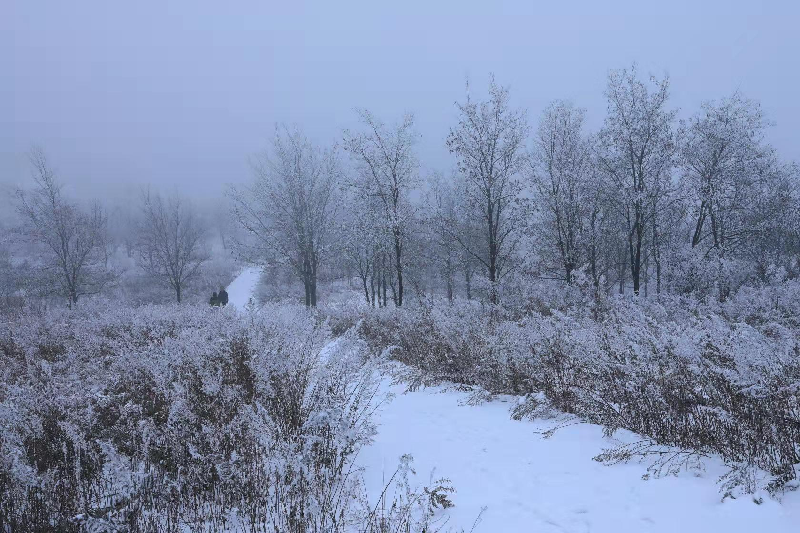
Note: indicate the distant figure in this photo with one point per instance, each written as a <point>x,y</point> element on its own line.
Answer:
<point>214,299</point>
<point>223,296</point>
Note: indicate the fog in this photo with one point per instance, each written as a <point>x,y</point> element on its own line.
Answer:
<point>181,94</point>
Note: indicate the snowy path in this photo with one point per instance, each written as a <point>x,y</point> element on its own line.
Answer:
<point>243,287</point>
<point>542,485</point>
<point>528,483</point>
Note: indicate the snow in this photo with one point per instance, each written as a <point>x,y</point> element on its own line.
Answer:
<point>243,287</point>
<point>528,483</point>
<point>327,350</point>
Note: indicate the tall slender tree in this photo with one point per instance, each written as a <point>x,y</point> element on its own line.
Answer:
<point>289,209</point>
<point>73,238</point>
<point>387,171</point>
<point>171,241</point>
<point>560,169</point>
<point>637,154</point>
<point>489,145</point>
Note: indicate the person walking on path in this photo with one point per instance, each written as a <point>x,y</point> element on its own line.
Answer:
<point>222,297</point>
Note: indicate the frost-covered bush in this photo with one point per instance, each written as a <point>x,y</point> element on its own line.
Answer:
<point>162,418</point>
<point>343,313</point>
<point>406,508</point>
<point>777,303</point>
<point>705,378</point>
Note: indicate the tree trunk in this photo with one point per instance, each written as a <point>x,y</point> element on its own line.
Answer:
<point>468,281</point>
<point>492,251</point>
<point>366,290</point>
<point>593,251</point>
<point>372,283</point>
<point>313,279</point>
<point>398,251</point>
<point>698,229</point>
<point>383,284</point>
<point>636,252</point>
<point>449,280</point>
<point>492,271</point>
<point>658,276</point>
<point>656,251</point>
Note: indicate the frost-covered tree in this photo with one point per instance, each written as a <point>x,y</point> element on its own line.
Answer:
<point>289,209</point>
<point>771,219</point>
<point>387,171</point>
<point>171,241</point>
<point>73,238</point>
<point>560,173</point>
<point>722,157</point>
<point>364,244</point>
<point>443,222</point>
<point>637,154</point>
<point>740,199</point>
<point>489,144</point>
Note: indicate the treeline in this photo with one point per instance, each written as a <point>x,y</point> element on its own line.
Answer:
<point>149,250</point>
<point>647,204</point>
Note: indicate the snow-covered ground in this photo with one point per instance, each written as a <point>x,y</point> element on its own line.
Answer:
<point>528,483</point>
<point>243,287</point>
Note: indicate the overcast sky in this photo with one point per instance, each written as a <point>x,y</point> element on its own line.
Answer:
<point>179,94</point>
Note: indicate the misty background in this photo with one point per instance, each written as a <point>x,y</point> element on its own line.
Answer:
<point>181,94</point>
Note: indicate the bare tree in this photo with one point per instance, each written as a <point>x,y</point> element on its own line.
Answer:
<point>74,238</point>
<point>363,243</point>
<point>637,152</point>
<point>171,241</point>
<point>488,143</point>
<point>388,171</point>
<point>289,210</point>
<point>560,171</point>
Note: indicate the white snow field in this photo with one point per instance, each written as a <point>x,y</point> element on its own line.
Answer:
<point>243,287</point>
<point>529,483</point>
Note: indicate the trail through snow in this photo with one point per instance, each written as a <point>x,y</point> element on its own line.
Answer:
<point>529,483</point>
<point>243,287</point>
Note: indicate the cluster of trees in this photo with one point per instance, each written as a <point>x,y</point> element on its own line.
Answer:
<point>649,202</point>
<point>74,242</point>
